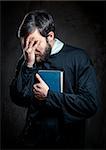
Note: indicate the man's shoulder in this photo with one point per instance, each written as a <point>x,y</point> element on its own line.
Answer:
<point>74,51</point>
<point>76,54</point>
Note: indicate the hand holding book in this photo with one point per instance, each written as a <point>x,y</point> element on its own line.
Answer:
<point>40,89</point>
<point>48,79</point>
<point>53,78</point>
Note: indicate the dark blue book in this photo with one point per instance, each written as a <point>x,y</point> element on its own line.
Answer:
<point>53,78</point>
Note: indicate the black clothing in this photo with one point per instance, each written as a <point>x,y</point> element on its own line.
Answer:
<point>59,120</point>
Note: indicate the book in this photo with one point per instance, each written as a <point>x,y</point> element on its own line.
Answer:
<point>53,78</point>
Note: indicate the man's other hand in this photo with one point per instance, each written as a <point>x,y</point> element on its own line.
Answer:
<point>29,51</point>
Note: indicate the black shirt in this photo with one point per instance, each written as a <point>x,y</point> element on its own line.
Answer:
<point>68,109</point>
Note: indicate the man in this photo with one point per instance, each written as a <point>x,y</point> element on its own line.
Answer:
<point>54,120</point>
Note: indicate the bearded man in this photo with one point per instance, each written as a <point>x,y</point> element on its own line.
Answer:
<point>54,119</point>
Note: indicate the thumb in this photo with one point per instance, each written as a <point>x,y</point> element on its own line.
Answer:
<point>38,77</point>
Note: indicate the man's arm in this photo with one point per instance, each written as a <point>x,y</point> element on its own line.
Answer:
<point>21,85</point>
<point>84,102</point>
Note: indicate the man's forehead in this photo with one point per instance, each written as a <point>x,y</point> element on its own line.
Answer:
<point>34,35</point>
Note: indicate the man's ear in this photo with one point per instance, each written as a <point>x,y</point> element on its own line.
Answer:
<point>50,37</point>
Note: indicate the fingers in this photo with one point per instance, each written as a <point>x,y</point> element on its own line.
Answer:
<point>36,87</point>
<point>32,43</point>
<point>29,42</point>
<point>28,50</point>
<point>40,89</point>
<point>39,78</point>
<point>36,90</point>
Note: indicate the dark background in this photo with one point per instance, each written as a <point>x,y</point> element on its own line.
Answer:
<point>80,24</point>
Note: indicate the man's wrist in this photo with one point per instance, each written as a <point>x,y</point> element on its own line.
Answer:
<point>27,69</point>
<point>29,65</point>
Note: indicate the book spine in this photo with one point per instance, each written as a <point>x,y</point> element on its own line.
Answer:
<point>61,82</point>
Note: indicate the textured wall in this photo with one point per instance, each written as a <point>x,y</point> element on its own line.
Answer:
<point>78,23</point>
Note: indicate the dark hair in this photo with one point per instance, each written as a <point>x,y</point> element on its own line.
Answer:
<point>39,19</point>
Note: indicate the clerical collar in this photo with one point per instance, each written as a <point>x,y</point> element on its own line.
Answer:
<point>58,45</point>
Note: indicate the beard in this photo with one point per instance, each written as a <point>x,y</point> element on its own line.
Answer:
<point>43,57</point>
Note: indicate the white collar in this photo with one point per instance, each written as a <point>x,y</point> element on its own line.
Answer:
<point>58,45</point>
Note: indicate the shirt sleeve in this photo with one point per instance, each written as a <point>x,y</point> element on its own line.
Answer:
<point>21,86</point>
<point>84,102</point>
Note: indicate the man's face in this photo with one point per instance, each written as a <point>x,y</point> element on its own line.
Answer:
<point>41,46</point>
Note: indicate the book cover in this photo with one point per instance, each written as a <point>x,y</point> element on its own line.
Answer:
<point>53,78</point>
